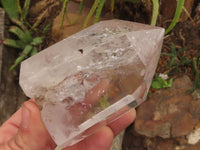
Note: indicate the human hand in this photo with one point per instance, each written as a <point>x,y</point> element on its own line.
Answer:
<point>25,131</point>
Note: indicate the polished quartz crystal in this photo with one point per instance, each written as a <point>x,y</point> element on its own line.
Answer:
<point>91,78</point>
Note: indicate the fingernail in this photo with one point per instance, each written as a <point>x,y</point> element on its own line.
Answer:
<point>25,117</point>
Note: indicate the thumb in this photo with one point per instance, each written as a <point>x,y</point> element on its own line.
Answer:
<point>32,134</point>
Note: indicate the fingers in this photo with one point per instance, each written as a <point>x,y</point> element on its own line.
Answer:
<point>32,135</point>
<point>124,121</point>
<point>26,131</point>
<point>101,140</point>
<point>10,127</point>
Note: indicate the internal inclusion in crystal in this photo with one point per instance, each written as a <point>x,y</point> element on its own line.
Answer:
<point>80,116</point>
<point>74,111</point>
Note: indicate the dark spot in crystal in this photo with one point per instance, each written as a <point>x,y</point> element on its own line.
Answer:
<point>114,54</point>
<point>81,51</point>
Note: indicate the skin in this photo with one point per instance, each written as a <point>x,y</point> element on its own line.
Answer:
<point>25,130</point>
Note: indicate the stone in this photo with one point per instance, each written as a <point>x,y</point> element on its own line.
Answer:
<point>169,113</point>
<point>164,106</point>
<point>91,78</point>
<point>159,144</point>
<point>117,142</point>
<point>196,95</point>
<point>133,141</point>
<point>194,137</point>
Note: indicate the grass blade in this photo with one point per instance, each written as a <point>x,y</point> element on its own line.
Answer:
<point>80,11</point>
<point>112,5</point>
<point>19,10</point>
<point>92,10</point>
<point>188,14</point>
<point>46,28</point>
<point>180,4</point>
<point>81,6</point>
<point>155,12</point>
<point>99,10</point>
<point>23,55</point>
<point>25,9</point>
<point>64,12</point>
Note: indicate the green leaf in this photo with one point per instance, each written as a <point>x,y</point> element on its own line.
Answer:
<point>92,10</point>
<point>180,4</point>
<point>99,10</point>
<point>23,55</point>
<point>19,23</point>
<point>34,51</point>
<point>170,82</point>
<point>159,83</point>
<point>155,12</point>
<point>11,9</point>
<point>28,36</point>
<point>37,41</point>
<point>23,36</point>
<point>14,43</point>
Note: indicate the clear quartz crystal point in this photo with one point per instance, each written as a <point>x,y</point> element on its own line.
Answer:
<point>91,78</point>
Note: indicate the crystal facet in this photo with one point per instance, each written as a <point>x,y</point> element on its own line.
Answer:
<point>91,78</point>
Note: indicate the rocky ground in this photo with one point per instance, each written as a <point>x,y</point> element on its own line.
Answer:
<point>169,120</point>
